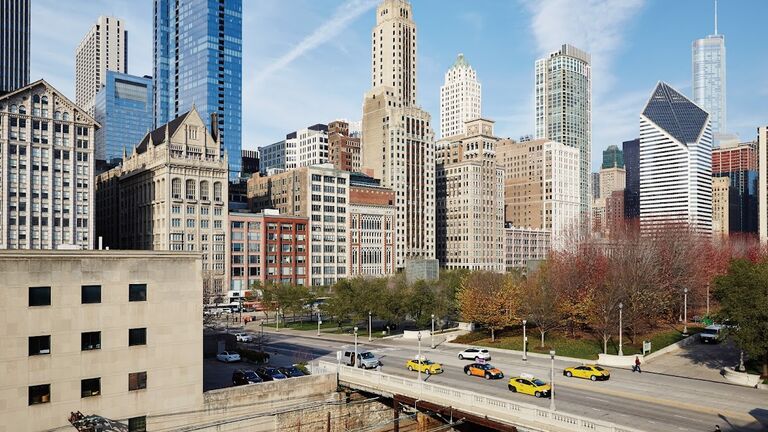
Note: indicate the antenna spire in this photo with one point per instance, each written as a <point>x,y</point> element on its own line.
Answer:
<point>715,17</point>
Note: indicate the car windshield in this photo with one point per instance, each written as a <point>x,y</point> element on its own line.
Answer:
<point>485,366</point>
<point>538,382</point>
<point>427,362</point>
<point>485,351</point>
<point>710,331</point>
<point>251,375</point>
<point>598,368</point>
<point>366,355</point>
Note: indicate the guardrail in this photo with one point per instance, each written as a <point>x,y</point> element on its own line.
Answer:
<point>520,414</point>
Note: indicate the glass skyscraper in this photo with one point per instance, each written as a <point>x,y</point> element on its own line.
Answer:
<point>708,61</point>
<point>123,107</point>
<point>14,45</point>
<point>198,61</point>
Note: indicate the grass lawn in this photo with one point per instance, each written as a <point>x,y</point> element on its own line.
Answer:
<point>584,346</point>
<point>308,325</point>
<point>330,327</point>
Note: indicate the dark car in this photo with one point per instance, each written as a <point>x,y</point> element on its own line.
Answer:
<point>243,377</point>
<point>291,372</point>
<point>270,374</point>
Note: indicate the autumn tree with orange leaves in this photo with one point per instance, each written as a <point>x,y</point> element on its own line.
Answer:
<point>489,299</point>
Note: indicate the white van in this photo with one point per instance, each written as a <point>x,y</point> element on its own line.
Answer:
<point>712,334</point>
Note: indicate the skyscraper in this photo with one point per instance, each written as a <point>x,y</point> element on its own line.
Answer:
<point>14,44</point>
<point>564,110</point>
<point>738,161</point>
<point>613,157</point>
<point>632,188</point>
<point>675,162</point>
<point>398,140</point>
<point>460,98</point>
<point>708,63</point>
<point>104,47</point>
<point>198,61</point>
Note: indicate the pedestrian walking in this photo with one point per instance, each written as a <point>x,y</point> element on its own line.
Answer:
<point>636,367</point>
<point>717,428</point>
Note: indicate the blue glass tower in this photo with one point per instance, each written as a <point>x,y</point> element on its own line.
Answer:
<point>123,107</point>
<point>14,44</point>
<point>198,47</point>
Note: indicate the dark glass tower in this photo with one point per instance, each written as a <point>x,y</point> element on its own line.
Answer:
<point>632,188</point>
<point>198,47</point>
<point>14,45</point>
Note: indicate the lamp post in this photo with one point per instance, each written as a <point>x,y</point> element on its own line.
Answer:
<point>319,323</point>
<point>685,311</point>
<point>355,363</point>
<point>552,382</point>
<point>418,357</point>
<point>525,343</point>
<point>369,327</point>
<point>621,331</point>
<point>261,339</point>
<point>432,335</point>
<point>277,320</point>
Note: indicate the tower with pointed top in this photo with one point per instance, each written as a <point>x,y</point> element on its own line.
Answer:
<point>460,98</point>
<point>708,68</point>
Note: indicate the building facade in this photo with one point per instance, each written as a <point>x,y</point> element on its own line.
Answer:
<point>470,200</point>
<point>721,187</point>
<point>306,147</point>
<point>14,44</point>
<point>522,245</point>
<point>762,185</point>
<point>250,161</point>
<point>613,157</point>
<point>595,186</point>
<point>46,170</point>
<point>272,157</point>
<point>738,162</point>
<point>708,78</point>
<point>104,47</point>
<point>371,227</point>
<point>321,194</point>
<point>123,107</point>
<point>170,193</point>
<point>198,46</point>
<point>343,147</point>
<point>398,140</point>
<point>563,99</point>
<point>460,98</point>
<point>99,332</point>
<point>632,184</point>
<point>675,163</point>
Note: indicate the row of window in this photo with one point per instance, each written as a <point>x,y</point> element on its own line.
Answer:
<point>41,296</point>
<point>41,345</point>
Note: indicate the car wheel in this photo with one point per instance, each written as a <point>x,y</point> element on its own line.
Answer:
<point>468,372</point>
<point>569,374</point>
<point>410,368</point>
<point>461,357</point>
<point>512,388</point>
<point>487,376</point>
<point>537,394</point>
<point>593,378</point>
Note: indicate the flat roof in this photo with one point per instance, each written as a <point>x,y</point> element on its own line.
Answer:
<point>79,253</point>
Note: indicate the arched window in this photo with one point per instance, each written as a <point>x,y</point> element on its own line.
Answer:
<point>44,100</point>
<point>36,99</point>
<point>190,189</point>
<point>57,115</point>
<point>176,188</point>
<point>204,190</point>
<point>217,191</point>
<point>14,109</point>
<point>22,109</point>
<point>65,116</point>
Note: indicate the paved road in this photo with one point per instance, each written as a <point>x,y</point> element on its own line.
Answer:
<point>648,401</point>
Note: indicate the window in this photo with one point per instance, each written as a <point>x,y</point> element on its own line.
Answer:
<point>176,188</point>
<point>190,189</point>
<point>90,387</point>
<point>90,341</point>
<point>204,190</point>
<point>217,191</point>
<point>39,296</point>
<point>39,394</point>
<point>137,381</point>
<point>137,292</point>
<point>137,424</point>
<point>137,336</point>
<point>91,293</point>
<point>39,345</point>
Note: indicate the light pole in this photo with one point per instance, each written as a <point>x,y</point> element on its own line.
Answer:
<point>432,335</point>
<point>418,357</point>
<point>525,342</point>
<point>319,323</point>
<point>261,339</point>
<point>685,311</point>
<point>552,382</point>
<point>355,363</point>
<point>277,320</point>
<point>369,327</point>
<point>621,331</point>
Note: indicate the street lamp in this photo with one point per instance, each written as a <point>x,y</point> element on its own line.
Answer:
<point>621,331</point>
<point>319,323</point>
<point>277,320</point>
<point>685,311</point>
<point>355,363</point>
<point>369,327</point>
<point>261,339</point>
<point>525,342</point>
<point>418,358</point>
<point>432,335</point>
<point>552,382</point>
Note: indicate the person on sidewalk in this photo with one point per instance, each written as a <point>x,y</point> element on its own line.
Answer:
<point>636,367</point>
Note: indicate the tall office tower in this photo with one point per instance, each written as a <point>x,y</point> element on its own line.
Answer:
<point>343,147</point>
<point>564,110</point>
<point>738,162</point>
<point>398,140</point>
<point>198,46</point>
<point>721,187</point>
<point>708,65</point>
<point>470,236</point>
<point>632,184</point>
<point>595,185</point>
<point>613,157</point>
<point>46,160</point>
<point>104,47</point>
<point>762,185</point>
<point>613,176</point>
<point>460,98</point>
<point>123,107</point>
<point>14,44</point>
<point>675,163</point>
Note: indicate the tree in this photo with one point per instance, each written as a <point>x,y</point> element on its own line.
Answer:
<point>421,298</point>
<point>489,299</point>
<point>542,305</point>
<point>743,297</point>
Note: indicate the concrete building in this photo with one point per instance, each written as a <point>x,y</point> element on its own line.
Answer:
<point>631,150</point>
<point>522,245</point>
<point>398,140</point>
<point>371,227</point>
<point>321,194</point>
<point>563,99</point>
<point>612,179</point>
<point>104,47</point>
<point>738,161</point>
<point>198,48</point>
<point>762,186</point>
<point>540,189</point>
<point>113,333</point>
<point>614,211</point>
<point>708,78</point>
<point>595,185</point>
<point>170,194</point>
<point>272,157</point>
<point>46,170</point>
<point>266,248</point>
<point>14,44</point>
<point>250,162</point>
<point>123,107</point>
<point>470,200</point>
<point>306,147</point>
<point>721,187</point>
<point>598,215</point>
<point>675,162</point>
<point>460,98</point>
<point>343,147</point>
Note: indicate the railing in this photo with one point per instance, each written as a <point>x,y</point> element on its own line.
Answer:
<point>520,414</point>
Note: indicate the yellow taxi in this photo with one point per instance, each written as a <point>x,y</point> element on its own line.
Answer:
<point>529,384</point>
<point>426,366</point>
<point>485,370</point>
<point>590,372</point>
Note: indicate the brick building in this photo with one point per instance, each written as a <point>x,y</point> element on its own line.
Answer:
<point>343,147</point>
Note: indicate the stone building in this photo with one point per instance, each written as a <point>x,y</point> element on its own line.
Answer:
<point>523,245</point>
<point>371,227</point>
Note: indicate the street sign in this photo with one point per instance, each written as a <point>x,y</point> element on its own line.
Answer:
<point>646,347</point>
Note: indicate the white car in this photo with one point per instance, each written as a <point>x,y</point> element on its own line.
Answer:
<point>475,354</point>
<point>228,357</point>
<point>244,337</point>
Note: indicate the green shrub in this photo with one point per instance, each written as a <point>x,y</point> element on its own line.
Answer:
<point>254,356</point>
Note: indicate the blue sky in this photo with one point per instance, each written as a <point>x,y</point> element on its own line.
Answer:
<point>308,61</point>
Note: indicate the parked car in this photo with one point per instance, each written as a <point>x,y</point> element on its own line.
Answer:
<point>243,377</point>
<point>291,372</point>
<point>475,354</point>
<point>590,372</point>
<point>243,337</point>
<point>228,356</point>
<point>712,334</point>
<point>270,374</point>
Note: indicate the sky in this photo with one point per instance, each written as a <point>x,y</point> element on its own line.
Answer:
<point>308,61</point>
